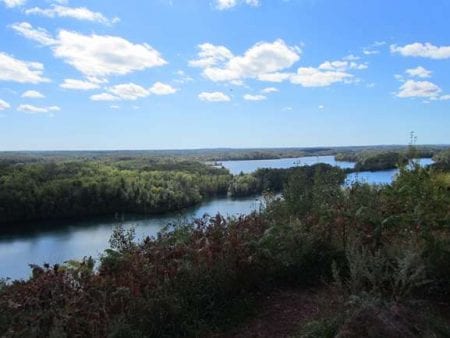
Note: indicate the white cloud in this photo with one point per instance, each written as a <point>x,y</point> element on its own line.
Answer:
<point>14,3</point>
<point>445,97</point>
<point>162,89</point>
<point>274,77</point>
<point>94,55</point>
<point>15,70</point>
<point>342,65</point>
<point>419,72</point>
<point>314,77</point>
<point>250,97</point>
<point>425,50</point>
<point>269,62</point>
<point>211,55</point>
<point>39,35</point>
<point>30,109</point>
<point>104,97</point>
<point>213,97</point>
<point>413,88</point>
<point>78,13</point>
<point>351,57</point>
<point>78,84</point>
<point>321,107</point>
<point>227,4</point>
<point>269,90</point>
<point>129,91</point>
<point>259,62</point>
<point>113,106</point>
<point>33,94</point>
<point>4,105</point>
<point>370,52</point>
<point>373,48</point>
<point>104,55</point>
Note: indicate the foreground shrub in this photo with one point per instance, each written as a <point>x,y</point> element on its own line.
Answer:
<point>188,280</point>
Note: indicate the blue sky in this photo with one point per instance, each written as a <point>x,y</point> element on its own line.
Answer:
<point>160,74</point>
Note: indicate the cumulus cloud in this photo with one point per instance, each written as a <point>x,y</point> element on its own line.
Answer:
<point>162,89</point>
<point>342,65</point>
<point>104,97</point>
<point>95,55</point>
<point>131,91</point>
<point>269,90</point>
<point>4,105</point>
<point>12,69</point>
<point>104,55</point>
<point>210,55</point>
<point>413,88</point>
<point>79,84</point>
<point>33,94</point>
<point>260,61</point>
<point>213,97</point>
<point>39,35</point>
<point>14,3</point>
<point>250,97</point>
<point>227,4</point>
<point>78,13</point>
<point>274,77</point>
<point>419,72</point>
<point>30,109</point>
<point>425,50</point>
<point>315,77</point>
<point>270,62</point>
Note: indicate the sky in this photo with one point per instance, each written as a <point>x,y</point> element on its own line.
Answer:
<point>178,74</point>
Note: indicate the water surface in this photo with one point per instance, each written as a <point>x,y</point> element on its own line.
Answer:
<point>248,166</point>
<point>56,242</point>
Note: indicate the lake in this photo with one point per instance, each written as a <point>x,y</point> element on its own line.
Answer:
<point>383,176</point>
<point>372,177</point>
<point>248,166</point>
<point>55,242</point>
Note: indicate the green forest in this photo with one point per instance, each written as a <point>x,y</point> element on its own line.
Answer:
<point>80,185</point>
<point>371,255</point>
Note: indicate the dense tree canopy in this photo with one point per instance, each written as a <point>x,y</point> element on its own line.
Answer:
<point>76,189</point>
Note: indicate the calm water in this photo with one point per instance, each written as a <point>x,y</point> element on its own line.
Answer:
<point>376,177</point>
<point>383,176</point>
<point>236,167</point>
<point>56,242</point>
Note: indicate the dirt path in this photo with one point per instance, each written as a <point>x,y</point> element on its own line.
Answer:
<point>282,313</point>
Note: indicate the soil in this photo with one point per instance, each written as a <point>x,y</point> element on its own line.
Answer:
<point>282,313</point>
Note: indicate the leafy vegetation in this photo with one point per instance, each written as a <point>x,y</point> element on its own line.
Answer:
<point>83,188</point>
<point>382,247</point>
<point>375,161</point>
